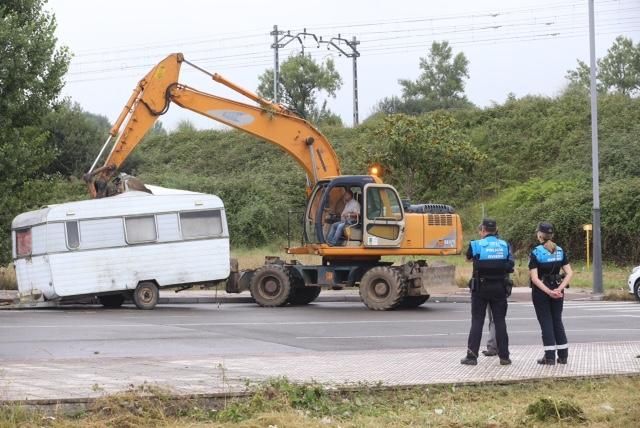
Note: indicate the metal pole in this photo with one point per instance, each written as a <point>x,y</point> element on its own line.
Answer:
<point>276,63</point>
<point>597,249</point>
<point>355,83</point>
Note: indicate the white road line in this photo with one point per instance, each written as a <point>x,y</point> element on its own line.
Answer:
<point>604,305</point>
<point>293,323</point>
<point>608,330</point>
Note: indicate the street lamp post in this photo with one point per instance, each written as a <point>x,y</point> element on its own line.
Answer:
<point>595,168</point>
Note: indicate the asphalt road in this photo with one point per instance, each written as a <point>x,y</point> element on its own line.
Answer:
<point>245,329</point>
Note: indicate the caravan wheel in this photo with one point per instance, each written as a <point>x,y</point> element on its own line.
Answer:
<point>146,295</point>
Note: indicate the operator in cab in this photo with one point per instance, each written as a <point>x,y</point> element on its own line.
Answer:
<point>490,285</point>
<point>349,215</point>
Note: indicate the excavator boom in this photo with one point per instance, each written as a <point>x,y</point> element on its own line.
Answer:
<point>269,121</point>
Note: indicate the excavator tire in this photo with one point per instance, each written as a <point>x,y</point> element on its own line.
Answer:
<point>270,286</point>
<point>382,288</point>
<point>304,295</point>
<point>413,301</point>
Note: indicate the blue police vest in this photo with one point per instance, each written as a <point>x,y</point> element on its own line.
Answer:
<point>490,248</point>
<point>545,256</point>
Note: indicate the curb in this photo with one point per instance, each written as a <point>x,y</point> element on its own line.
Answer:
<point>246,299</point>
<point>337,298</point>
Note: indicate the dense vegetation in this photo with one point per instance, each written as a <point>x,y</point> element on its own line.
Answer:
<point>526,160</point>
<point>523,161</point>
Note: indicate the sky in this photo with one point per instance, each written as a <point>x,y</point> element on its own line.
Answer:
<point>523,47</point>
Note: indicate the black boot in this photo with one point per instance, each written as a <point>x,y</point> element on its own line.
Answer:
<point>562,360</point>
<point>469,360</point>
<point>547,361</point>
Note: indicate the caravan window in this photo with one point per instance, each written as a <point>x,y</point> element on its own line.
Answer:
<point>73,234</point>
<point>201,224</point>
<point>23,242</point>
<point>140,229</point>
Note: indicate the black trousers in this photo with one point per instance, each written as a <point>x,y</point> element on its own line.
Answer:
<point>493,294</point>
<point>549,314</point>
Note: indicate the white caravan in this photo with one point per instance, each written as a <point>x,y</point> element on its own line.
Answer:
<point>123,246</point>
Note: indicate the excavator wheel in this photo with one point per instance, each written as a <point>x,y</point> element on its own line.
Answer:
<point>382,288</point>
<point>301,295</point>
<point>270,286</point>
<point>413,301</point>
<point>304,295</point>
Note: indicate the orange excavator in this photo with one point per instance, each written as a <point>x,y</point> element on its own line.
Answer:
<point>381,225</point>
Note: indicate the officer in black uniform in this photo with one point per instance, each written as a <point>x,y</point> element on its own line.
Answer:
<point>490,285</point>
<point>545,263</point>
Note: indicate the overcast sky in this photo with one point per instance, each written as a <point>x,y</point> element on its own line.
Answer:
<point>523,47</point>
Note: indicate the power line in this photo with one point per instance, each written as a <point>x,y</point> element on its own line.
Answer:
<point>390,50</point>
<point>434,34</point>
<point>344,26</point>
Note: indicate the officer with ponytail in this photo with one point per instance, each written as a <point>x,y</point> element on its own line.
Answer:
<point>546,262</point>
<point>490,286</point>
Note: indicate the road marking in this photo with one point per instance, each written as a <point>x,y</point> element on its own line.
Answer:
<point>270,323</point>
<point>608,330</point>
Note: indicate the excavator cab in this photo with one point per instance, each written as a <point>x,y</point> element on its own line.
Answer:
<point>380,222</point>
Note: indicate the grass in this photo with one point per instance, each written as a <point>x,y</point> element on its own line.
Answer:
<point>610,402</point>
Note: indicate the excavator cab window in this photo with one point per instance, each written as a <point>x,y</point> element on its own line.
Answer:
<point>383,203</point>
<point>384,219</point>
<point>325,207</point>
<point>313,216</point>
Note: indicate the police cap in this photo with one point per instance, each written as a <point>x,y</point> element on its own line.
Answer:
<point>545,227</point>
<point>489,224</point>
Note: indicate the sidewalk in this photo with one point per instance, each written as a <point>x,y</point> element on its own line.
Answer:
<point>75,380</point>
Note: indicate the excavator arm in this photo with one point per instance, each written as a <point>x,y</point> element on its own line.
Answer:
<point>269,121</point>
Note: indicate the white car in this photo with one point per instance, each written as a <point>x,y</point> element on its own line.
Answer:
<point>634,282</point>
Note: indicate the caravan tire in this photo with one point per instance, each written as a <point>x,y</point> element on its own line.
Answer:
<point>111,300</point>
<point>146,295</point>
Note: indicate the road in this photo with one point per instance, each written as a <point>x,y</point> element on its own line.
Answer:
<point>192,331</point>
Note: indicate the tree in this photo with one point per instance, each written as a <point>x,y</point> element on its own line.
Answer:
<point>441,83</point>
<point>75,136</point>
<point>581,76</point>
<point>618,71</point>
<point>620,68</point>
<point>301,79</point>
<point>31,77</point>
<point>426,157</point>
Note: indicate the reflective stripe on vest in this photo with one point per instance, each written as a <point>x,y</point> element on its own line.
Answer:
<point>490,248</point>
<point>545,256</point>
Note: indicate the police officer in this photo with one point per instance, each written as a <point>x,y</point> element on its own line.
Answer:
<point>490,285</point>
<point>545,262</point>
